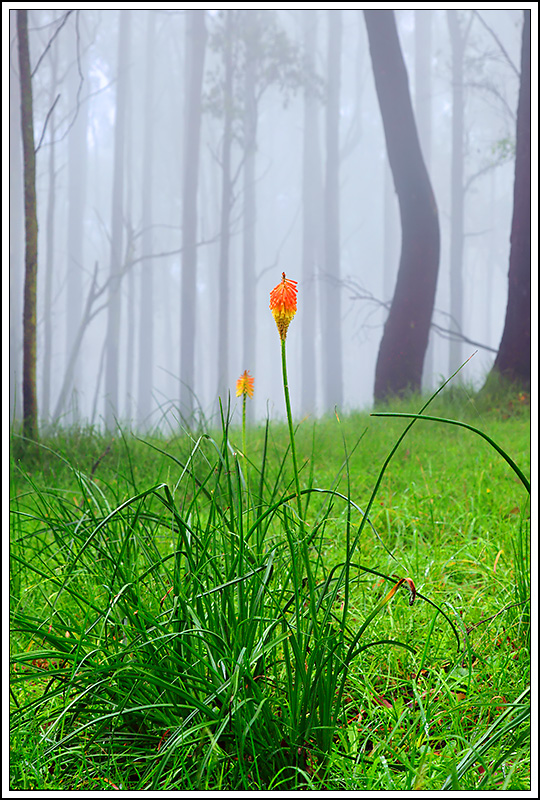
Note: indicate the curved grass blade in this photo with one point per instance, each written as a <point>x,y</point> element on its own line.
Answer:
<point>512,464</point>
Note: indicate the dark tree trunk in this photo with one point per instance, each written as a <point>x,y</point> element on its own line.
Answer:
<point>513,360</point>
<point>30,410</point>
<point>332,355</point>
<point>405,337</point>
<point>312,194</point>
<point>195,47</point>
<point>112,365</point>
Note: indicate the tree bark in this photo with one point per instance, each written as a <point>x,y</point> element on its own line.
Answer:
<point>332,354</point>
<point>30,408</point>
<point>513,361</point>
<point>195,47</point>
<point>405,337</point>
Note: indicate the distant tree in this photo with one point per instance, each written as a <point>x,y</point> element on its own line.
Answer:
<point>312,200</point>
<point>226,205</point>
<point>513,360</point>
<point>331,335</point>
<point>16,232</point>
<point>77,141</point>
<point>49,247</point>
<point>249,145</point>
<point>195,55</point>
<point>458,40</point>
<point>30,408</point>
<point>146,300</point>
<point>423,71</point>
<point>256,54</point>
<point>112,365</point>
<point>405,337</point>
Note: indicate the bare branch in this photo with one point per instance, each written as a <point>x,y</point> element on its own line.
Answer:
<point>49,112</point>
<point>454,334</point>
<point>494,35</point>
<point>51,40</point>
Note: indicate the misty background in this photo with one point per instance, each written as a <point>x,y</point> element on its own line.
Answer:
<point>121,332</point>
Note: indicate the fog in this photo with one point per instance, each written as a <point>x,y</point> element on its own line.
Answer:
<point>118,335</point>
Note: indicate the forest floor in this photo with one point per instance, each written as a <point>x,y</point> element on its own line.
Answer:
<point>176,624</point>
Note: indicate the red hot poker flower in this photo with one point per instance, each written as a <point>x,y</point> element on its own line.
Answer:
<point>244,384</point>
<point>283,304</point>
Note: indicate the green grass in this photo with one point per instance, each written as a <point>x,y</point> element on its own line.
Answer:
<point>175,625</point>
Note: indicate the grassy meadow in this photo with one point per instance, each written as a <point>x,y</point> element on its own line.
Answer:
<point>181,620</point>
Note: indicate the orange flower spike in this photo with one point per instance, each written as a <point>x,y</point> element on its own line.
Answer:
<point>244,384</point>
<point>283,304</point>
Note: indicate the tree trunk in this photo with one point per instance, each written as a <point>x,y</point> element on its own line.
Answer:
<point>16,234</point>
<point>226,202</point>
<point>77,174</point>
<point>195,48</point>
<point>513,361</point>
<point>30,410</point>
<point>146,299</point>
<point>422,110</point>
<point>249,316</point>
<point>332,355</point>
<point>49,253</point>
<point>405,337</point>
<point>312,193</point>
<point>457,194</point>
<point>114,301</point>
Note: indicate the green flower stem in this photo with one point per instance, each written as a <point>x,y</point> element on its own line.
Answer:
<point>244,425</point>
<point>291,429</point>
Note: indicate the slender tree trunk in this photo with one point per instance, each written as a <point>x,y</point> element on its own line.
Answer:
<point>16,233</point>
<point>77,179</point>
<point>146,299</point>
<point>332,353</point>
<point>405,337</point>
<point>312,194</point>
<point>226,203</point>
<point>195,48</point>
<point>249,316</point>
<point>30,408</point>
<point>422,108</point>
<point>513,361</point>
<point>49,255</point>
<point>457,193</point>
<point>112,365</point>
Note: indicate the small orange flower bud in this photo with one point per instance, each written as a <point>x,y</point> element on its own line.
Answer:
<point>244,384</point>
<point>283,304</point>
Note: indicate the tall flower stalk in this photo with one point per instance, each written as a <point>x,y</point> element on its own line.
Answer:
<point>283,308</point>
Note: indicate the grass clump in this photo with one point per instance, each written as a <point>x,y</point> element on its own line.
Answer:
<point>180,621</point>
